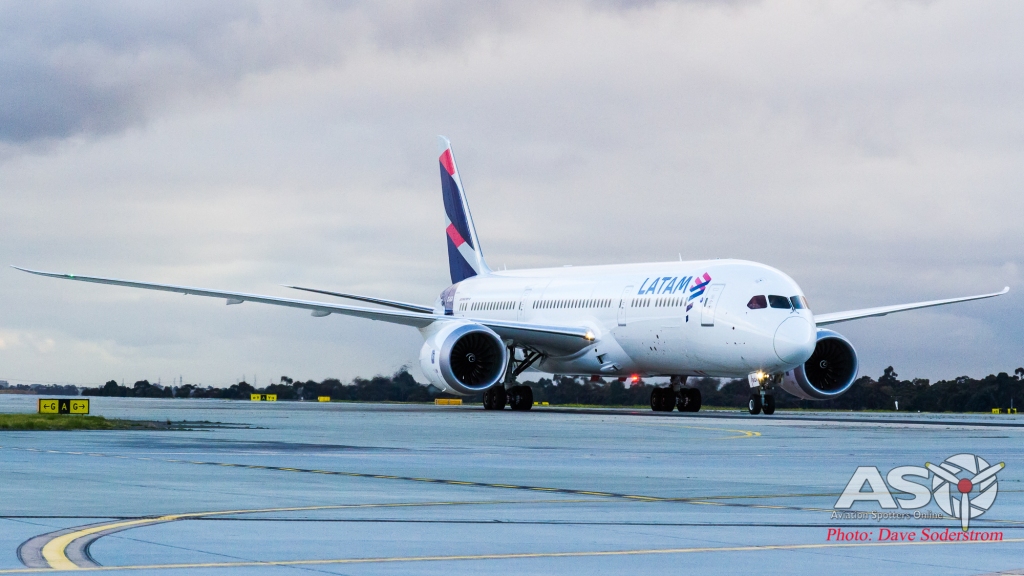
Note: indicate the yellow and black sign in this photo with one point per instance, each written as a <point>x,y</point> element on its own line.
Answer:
<point>448,401</point>
<point>63,406</point>
<point>263,397</point>
<point>323,398</point>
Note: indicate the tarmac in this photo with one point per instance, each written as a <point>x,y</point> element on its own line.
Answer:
<point>241,487</point>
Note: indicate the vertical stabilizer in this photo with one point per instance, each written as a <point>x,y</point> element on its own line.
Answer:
<point>465,258</point>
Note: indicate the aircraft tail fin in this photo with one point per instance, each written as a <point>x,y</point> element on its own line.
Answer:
<point>465,258</point>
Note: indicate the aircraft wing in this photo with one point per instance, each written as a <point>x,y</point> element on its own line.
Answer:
<point>552,339</point>
<point>836,317</point>
<point>391,303</point>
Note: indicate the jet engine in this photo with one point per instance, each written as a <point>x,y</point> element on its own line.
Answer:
<point>828,373</point>
<point>463,358</point>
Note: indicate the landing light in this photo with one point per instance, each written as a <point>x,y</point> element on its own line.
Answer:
<point>589,335</point>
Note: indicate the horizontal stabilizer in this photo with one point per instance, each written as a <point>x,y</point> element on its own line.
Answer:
<point>836,317</point>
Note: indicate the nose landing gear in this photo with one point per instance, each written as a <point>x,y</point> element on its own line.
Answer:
<point>762,397</point>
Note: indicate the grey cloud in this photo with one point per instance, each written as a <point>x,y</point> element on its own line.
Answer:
<point>872,151</point>
<point>69,68</point>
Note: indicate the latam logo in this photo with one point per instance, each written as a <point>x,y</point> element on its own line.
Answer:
<point>674,285</point>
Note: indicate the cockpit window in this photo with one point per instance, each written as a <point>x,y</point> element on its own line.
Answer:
<point>799,302</point>
<point>757,302</point>
<point>779,302</point>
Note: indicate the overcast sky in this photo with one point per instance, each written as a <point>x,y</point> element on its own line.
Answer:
<point>873,151</point>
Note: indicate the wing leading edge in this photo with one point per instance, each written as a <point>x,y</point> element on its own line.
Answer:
<point>556,339</point>
<point>836,317</point>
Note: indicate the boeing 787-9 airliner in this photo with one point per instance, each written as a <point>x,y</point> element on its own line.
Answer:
<point>719,318</point>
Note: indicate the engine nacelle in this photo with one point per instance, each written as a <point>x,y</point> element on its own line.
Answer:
<point>463,358</point>
<point>828,373</point>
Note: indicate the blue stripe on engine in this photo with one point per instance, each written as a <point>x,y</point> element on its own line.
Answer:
<point>453,206</point>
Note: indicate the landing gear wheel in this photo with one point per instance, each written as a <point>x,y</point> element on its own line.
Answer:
<point>769,404</point>
<point>696,400</point>
<point>662,400</point>
<point>688,400</point>
<point>683,400</point>
<point>754,405</point>
<point>520,398</point>
<point>495,398</point>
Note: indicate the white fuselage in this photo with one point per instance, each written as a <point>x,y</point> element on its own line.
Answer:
<point>653,319</point>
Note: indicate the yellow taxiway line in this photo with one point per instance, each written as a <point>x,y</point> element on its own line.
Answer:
<point>55,551</point>
<point>512,556</point>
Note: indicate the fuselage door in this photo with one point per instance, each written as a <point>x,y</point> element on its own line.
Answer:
<point>711,297</point>
<point>523,303</point>
<point>623,302</point>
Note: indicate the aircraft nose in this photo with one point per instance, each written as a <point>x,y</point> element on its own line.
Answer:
<point>794,340</point>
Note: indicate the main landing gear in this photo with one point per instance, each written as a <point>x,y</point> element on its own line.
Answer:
<point>517,397</point>
<point>520,398</point>
<point>675,396</point>
<point>495,398</point>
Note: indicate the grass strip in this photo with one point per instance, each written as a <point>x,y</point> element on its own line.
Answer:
<point>71,422</point>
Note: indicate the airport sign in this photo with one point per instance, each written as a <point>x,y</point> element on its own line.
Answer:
<point>63,406</point>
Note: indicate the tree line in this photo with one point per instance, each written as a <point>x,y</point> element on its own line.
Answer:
<point>961,394</point>
<point>52,389</point>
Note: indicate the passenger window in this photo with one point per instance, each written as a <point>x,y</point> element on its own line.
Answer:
<point>779,302</point>
<point>757,302</point>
